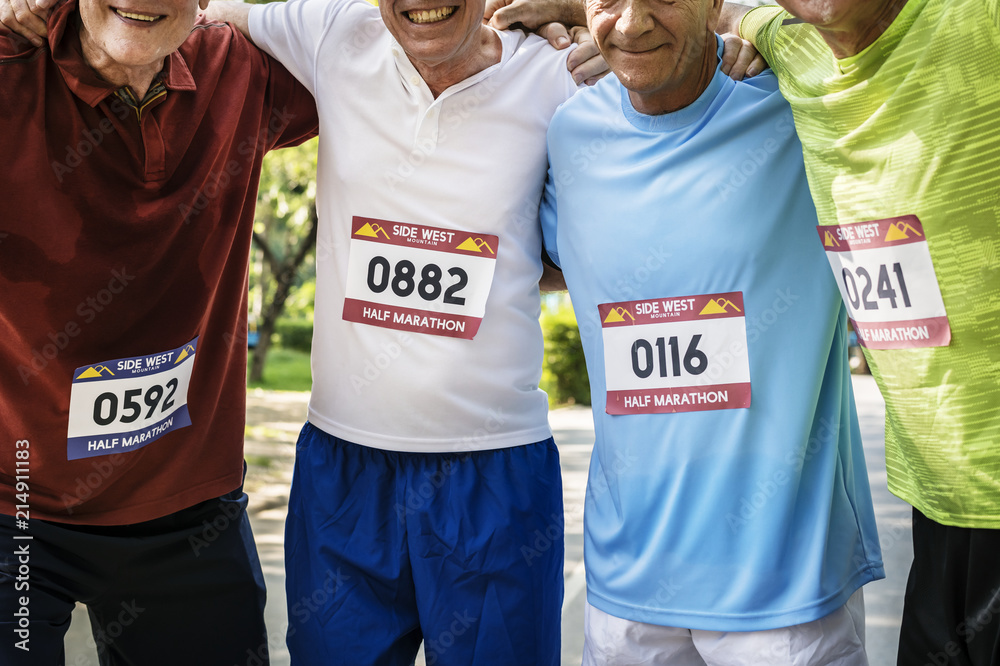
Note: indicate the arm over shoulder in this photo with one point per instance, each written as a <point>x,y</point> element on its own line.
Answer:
<point>292,32</point>
<point>760,27</point>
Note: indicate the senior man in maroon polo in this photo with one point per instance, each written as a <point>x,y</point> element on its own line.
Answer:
<point>131,147</point>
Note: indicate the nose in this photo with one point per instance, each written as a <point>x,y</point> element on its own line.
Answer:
<point>634,19</point>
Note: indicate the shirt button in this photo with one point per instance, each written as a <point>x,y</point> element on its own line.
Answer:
<point>415,80</point>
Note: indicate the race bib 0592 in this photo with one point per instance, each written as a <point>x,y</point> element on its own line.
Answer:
<point>125,404</point>
<point>676,354</point>
<point>887,280</point>
<point>421,279</point>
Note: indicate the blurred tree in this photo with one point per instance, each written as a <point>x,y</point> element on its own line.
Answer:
<point>284,235</point>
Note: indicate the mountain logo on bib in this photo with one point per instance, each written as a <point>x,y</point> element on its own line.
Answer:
<point>95,371</point>
<point>719,306</point>
<point>471,244</point>
<point>184,353</point>
<point>617,316</point>
<point>898,231</point>
<point>372,231</point>
<point>830,240</point>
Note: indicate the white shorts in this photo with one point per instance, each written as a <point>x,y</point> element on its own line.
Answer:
<point>835,640</point>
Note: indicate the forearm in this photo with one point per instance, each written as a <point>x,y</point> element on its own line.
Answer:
<point>732,14</point>
<point>236,13</point>
<point>552,280</point>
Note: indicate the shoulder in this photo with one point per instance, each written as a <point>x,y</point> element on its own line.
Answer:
<point>214,47</point>
<point>213,38</point>
<point>532,54</point>
<point>593,105</point>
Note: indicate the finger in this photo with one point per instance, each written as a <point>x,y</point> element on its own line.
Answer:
<point>557,34</point>
<point>18,17</point>
<point>46,4</point>
<point>586,49</point>
<point>731,47</point>
<point>591,71</point>
<point>757,65</point>
<point>516,12</point>
<point>743,60</point>
<point>491,7</point>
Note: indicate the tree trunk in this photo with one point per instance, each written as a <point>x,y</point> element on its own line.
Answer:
<point>284,273</point>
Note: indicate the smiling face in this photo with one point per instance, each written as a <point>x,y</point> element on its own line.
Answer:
<point>436,33</point>
<point>134,33</point>
<point>656,48</point>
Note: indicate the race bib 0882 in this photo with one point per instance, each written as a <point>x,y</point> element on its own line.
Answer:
<point>421,279</point>
<point>125,404</point>
<point>676,354</point>
<point>887,279</point>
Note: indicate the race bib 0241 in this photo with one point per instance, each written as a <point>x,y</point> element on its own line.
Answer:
<point>886,277</point>
<point>421,279</point>
<point>125,404</point>
<point>683,354</point>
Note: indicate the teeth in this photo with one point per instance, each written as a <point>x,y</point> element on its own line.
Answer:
<point>137,17</point>
<point>431,15</point>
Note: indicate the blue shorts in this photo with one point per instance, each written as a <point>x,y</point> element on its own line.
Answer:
<point>462,551</point>
<point>183,589</point>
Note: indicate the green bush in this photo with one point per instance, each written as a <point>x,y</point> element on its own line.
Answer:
<point>294,334</point>
<point>564,374</point>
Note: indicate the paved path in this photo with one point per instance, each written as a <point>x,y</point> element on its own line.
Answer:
<point>275,418</point>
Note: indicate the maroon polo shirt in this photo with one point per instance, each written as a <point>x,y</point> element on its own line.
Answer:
<point>125,229</point>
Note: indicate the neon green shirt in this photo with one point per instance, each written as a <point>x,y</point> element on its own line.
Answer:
<point>911,126</point>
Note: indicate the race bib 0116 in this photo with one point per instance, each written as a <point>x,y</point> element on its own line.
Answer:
<point>125,404</point>
<point>886,277</point>
<point>420,279</point>
<point>668,355</point>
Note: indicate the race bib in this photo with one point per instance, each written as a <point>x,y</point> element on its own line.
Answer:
<point>125,404</point>
<point>887,280</point>
<point>420,279</point>
<point>676,354</point>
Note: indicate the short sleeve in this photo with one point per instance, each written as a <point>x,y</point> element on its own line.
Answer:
<point>293,118</point>
<point>760,27</point>
<point>292,31</point>
<point>549,217</point>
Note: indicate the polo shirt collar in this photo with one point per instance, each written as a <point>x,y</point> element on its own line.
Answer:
<point>64,42</point>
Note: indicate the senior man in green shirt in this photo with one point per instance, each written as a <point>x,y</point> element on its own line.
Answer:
<point>895,102</point>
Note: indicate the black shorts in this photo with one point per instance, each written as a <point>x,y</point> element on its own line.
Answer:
<point>185,589</point>
<point>951,615</point>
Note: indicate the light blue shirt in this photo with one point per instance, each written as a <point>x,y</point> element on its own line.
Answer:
<point>739,519</point>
